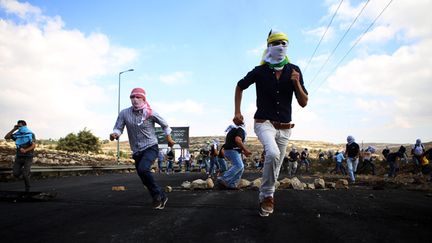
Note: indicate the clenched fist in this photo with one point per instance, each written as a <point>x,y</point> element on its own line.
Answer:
<point>238,119</point>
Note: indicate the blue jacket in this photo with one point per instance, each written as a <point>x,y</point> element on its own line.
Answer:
<point>23,136</point>
<point>339,157</point>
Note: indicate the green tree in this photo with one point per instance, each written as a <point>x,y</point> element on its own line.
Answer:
<point>83,142</point>
<point>69,143</point>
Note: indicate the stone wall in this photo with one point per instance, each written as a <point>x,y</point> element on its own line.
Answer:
<point>51,157</point>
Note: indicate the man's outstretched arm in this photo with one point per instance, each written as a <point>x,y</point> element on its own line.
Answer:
<point>238,117</point>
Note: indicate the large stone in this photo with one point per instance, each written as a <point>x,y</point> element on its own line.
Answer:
<point>342,184</point>
<point>210,183</point>
<point>256,184</point>
<point>310,186</point>
<point>331,185</point>
<point>186,185</point>
<point>319,183</point>
<point>277,184</point>
<point>244,183</point>
<point>10,158</point>
<point>297,184</point>
<point>285,183</point>
<point>198,184</point>
<point>168,189</point>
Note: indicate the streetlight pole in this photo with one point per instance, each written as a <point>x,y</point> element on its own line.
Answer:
<point>118,112</point>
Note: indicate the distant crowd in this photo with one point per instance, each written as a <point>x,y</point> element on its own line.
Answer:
<point>351,161</point>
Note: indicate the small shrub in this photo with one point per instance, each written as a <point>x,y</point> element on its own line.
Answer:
<point>83,142</point>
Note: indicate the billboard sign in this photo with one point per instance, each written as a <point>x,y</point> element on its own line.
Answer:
<point>180,135</point>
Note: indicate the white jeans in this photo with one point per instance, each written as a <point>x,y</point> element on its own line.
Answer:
<point>274,142</point>
<point>352,167</point>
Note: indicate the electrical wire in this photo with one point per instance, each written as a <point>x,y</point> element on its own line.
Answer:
<point>355,44</point>
<point>340,41</point>
<point>322,37</point>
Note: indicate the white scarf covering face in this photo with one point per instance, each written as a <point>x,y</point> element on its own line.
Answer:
<point>350,140</point>
<point>275,54</point>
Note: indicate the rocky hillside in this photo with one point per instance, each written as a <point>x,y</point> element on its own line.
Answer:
<point>47,155</point>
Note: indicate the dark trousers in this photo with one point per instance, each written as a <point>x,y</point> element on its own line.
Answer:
<point>187,163</point>
<point>339,168</point>
<point>143,162</point>
<point>22,167</point>
<point>393,168</point>
<point>214,165</point>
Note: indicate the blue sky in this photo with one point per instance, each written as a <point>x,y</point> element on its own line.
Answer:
<point>59,63</point>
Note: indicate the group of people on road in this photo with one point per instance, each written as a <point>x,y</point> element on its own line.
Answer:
<point>277,81</point>
<point>167,157</point>
<point>420,158</point>
<point>294,161</point>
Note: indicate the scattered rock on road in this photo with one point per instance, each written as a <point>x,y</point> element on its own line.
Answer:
<point>118,188</point>
<point>168,189</point>
<point>244,183</point>
<point>186,185</point>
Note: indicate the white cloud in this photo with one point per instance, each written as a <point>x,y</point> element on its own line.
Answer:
<point>22,10</point>
<point>257,52</point>
<point>399,83</point>
<point>379,34</point>
<point>303,115</point>
<point>175,78</point>
<point>372,105</point>
<point>386,95</point>
<point>49,72</point>
<point>316,61</point>
<point>412,18</point>
<point>187,106</point>
<point>401,20</point>
<point>318,33</point>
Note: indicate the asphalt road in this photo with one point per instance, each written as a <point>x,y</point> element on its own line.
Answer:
<point>86,209</point>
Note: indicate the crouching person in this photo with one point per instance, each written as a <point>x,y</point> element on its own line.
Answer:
<point>393,161</point>
<point>233,148</point>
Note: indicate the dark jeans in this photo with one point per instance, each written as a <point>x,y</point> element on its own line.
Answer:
<point>160,165</point>
<point>213,163</point>
<point>305,162</point>
<point>339,168</point>
<point>426,169</point>
<point>22,167</point>
<point>187,163</point>
<point>169,166</point>
<point>393,168</point>
<point>143,162</point>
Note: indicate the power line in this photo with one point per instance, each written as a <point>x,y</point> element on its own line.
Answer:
<point>340,41</point>
<point>355,44</point>
<point>322,37</point>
